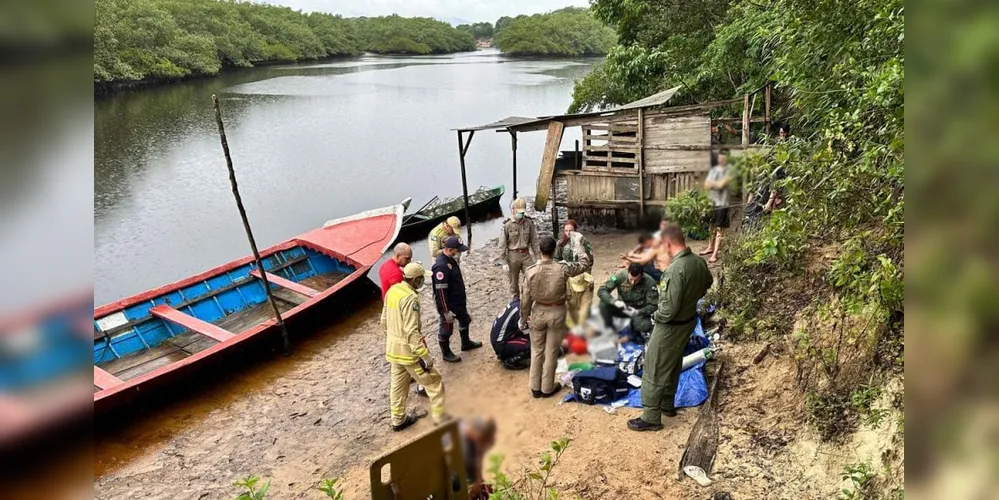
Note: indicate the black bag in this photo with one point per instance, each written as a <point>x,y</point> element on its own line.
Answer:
<point>600,385</point>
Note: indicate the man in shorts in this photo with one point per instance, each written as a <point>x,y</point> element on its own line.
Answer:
<point>719,191</point>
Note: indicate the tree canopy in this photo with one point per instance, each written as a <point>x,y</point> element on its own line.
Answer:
<point>566,32</point>
<point>481,31</point>
<point>140,40</point>
<point>837,69</point>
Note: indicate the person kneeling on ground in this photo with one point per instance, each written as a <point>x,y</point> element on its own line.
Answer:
<point>512,346</point>
<point>477,437</point>
<point>406,349</point>
<point>637,298</point>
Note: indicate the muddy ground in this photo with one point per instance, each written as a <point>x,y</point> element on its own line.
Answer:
<point>323,413</point>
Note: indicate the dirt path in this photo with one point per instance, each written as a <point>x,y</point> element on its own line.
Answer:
<point>323,412</point>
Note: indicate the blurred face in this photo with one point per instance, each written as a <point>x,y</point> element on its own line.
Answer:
<point>722,160</point>
<point>568,228</point>
<point>450,252</point>
<point>416,283</point>
<point>404,258</point>
<point>662,224</point>
<point>448,229</point>
<point>782,133</point>
<point>634,279</point>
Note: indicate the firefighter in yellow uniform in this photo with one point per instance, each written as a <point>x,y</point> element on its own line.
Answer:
<point>437,235</point>
<point>406,349</point>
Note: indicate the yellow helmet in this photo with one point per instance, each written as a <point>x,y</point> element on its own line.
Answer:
<point>454,222</point>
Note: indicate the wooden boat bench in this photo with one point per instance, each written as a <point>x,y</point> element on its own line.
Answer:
<point>172,315</point>
<point>286,283</point>
<point>105,380</point>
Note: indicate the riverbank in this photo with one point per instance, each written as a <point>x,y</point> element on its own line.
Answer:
<point>323,412</point>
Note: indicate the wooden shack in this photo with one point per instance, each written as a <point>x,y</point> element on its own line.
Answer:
<point>633,158</point>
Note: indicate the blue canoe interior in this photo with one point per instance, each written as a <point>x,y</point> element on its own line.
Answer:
<point>156,332</point>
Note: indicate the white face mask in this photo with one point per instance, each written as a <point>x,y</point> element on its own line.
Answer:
<point>519,216</point>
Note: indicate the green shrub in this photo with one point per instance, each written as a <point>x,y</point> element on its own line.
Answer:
<point>690,210</point>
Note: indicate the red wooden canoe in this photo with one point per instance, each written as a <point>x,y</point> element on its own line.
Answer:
<point>170,329</point>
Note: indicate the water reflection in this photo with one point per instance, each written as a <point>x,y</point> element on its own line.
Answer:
<point>309,142</point>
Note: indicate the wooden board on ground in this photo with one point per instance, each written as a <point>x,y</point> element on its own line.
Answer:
<point>552,144</point>
<point>703,440</point>
<point>430,466</point>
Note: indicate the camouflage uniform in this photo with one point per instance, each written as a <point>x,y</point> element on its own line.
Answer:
<point>642,296</point>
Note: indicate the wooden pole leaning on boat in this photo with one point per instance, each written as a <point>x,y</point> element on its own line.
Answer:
<point>285,342</point>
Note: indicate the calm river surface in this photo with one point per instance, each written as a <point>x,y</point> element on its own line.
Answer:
<point>309,143</point>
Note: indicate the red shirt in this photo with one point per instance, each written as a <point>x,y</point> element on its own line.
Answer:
<point>390,273</point>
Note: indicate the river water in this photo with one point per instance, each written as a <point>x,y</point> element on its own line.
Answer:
<point>309,142</point>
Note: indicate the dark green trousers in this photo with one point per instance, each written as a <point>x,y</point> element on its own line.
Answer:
<point>639,323</point>
<point>663,359</point>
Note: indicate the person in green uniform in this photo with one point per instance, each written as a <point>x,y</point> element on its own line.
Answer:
<point>684,282</point>
<point>637,298</point>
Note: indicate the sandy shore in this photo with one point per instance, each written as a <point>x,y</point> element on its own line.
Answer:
<point>323,413</point>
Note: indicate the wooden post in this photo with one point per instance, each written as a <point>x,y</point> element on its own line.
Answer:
<point>578,159</point>
<point>462,149</point>
<point>554,210</point>
<point>767,118</point>
<point>641,166</point>
<point>513,144</point>
<point>745,124</point>
<point>285,342</point>
<point>746,113</point>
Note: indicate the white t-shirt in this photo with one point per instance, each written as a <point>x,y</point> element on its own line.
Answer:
<point>720,197</point>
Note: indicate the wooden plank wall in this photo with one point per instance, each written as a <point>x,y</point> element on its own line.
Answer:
<point>677,156</point>
<point>677,143</point>
<point>611,144</point>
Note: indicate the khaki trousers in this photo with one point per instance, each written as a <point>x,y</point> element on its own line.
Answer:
<point>517,261</point>
<point>399,390</point>
<point>547,330</point>
<point>578,303</point>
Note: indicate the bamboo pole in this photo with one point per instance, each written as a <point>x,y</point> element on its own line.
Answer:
<point>285,342</point>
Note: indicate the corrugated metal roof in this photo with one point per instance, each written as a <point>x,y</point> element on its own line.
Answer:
<point>652,100</point>
<point>515,122</point>
<point>504,123</point>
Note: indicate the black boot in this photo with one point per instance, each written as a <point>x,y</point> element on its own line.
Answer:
<point>446,353</point>
<point>468,344</point>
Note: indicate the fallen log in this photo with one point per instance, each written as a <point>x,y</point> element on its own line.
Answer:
<point>702,443</point>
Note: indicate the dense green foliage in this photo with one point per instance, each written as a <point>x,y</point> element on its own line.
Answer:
<point>827,267</point>
<point>417,35</point>
<point>144,40</point>
<point>690,210</point>
<point>567,32</point>
<point>481,31</point>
